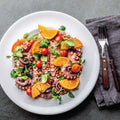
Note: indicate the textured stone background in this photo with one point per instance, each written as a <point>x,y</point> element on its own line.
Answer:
<point>12,10</point>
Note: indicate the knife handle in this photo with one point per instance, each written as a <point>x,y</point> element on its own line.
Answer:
<point>105,73</point>
<point>114,75</point>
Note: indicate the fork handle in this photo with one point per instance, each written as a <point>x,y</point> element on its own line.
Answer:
<point>105,73</point>
<point>114,75</point>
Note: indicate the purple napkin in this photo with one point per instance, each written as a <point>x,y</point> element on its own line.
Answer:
<point>111,96</point>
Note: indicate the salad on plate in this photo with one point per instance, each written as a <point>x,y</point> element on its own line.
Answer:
<point>47,64</point>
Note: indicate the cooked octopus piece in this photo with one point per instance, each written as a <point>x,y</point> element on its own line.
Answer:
<point>22,84</point>
<point>67,72</point>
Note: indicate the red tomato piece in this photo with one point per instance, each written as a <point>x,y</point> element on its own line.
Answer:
<point>28,91</point>
<point>58,38</point>
<point>38,63</point>
<point>63,53</point>
<point>44,51</point>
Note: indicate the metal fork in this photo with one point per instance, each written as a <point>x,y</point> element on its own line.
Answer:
<point>102,41</point>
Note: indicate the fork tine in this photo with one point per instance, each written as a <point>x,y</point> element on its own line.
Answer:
<point>102,32</point>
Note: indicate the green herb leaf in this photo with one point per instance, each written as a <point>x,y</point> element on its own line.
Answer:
<point>76,88</point>
<point>33,37</point>
<point>32,65</point>
<point>43,58</point>
<point>65,38</point>
<point>54,95</point>
<point>19,70</point>
<point>15,59</point>
<point>26,73</point>
<point>44,78</point>
<point>58,44</point>
<point>24,77</point>
<point>69,43</point>
<point>25,36</point>
<point>62,28</point>
<point>61,89</point>
<point>8,56</point>
<point>18,52</point>
<point>36,56</point>
<point>55,53</point>
<point>61,77</point>
<point>13,74</point>
<point>83,61</point>
<point>80,59</point>
<point>70,94</point>
<point>44,43</point>
<point>24,59</point>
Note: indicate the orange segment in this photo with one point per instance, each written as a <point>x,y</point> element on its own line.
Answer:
<point>18,43</point>
<point>41,28</point>
<point>47,34</point>
<point>78,44</point>
<point>39,88</point>
<point>69,84</point>
<point>60,61</point>
<point>35,47</point>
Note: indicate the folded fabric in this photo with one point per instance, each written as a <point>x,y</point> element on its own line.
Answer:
<point>111,96</point>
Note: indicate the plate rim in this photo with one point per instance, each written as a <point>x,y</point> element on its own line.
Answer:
<point>91,86</point>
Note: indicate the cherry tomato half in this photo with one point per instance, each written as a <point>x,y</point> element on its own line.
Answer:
<point>58,38</point>
<point>28,91</point>
<point>44,51</point>
<point>76,68</point>
<point>63,53</point>
<point>38,63</point>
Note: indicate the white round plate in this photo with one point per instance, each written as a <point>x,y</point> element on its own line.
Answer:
<point>89,74</point>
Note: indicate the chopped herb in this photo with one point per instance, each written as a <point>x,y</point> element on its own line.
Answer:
<point>81,61</point>
<point>65,38</point>
<point>70,94</point>
<point>24,59</point>
<point>8,56</point>
<point>15,59</point>
<point>56,96</point>
<point>40,30</point>
<point>44,77</point>
<point>61,89</point>
<point>13,74</point>
<point>50,78</point>
<point>25,36</point>
<point>44,43</point>
<point>55,53</point>
<point>24,77</point>
<point>62,28</point>
<point>19,70</point>
<point>61,77</point>
<point>44,58</point>
<point>18,52</point>
<point>58,44</point>
<point>33,37</point>
<point>26,73</point>
<point>69,43</point>
<point>32,65</point>
<point>36,56</point>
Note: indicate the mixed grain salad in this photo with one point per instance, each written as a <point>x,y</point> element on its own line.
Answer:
<point>47,64</point>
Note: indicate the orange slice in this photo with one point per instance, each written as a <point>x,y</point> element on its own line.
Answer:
<point>35,47</point>
<point>47,34</point>
<point>69,84</point>
<point>78,44</point>
<point>39,88</point>
<point>60,61</point>
<point>18,43</point>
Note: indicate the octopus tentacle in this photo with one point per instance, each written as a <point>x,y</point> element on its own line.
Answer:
<point>22,84</point>
<point>67,72</point>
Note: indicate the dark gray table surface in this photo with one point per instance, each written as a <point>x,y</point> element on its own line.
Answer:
<point>12,10</point>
